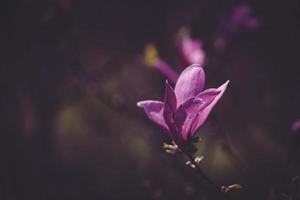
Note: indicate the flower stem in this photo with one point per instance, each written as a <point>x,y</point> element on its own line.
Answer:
<point>215,188</point>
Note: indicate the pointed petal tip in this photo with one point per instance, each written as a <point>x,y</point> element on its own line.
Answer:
<point>139,104</point>
<point>224,86</point>
<point>170,97</point>
<point>168,86</point>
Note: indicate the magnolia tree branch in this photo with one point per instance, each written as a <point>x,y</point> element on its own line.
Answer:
<point>214,187</point>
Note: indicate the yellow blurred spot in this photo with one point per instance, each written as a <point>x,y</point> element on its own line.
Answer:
<point>69,120</point>
<point>139,148</point>
<point>221,160</point>
<point>151,54</point>
<point>110,86</point>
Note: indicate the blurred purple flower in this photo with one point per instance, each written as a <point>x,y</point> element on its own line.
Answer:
<point>152,59</point>
<point>192,50</point>
<point>296,125</point>
<point>186,107</point>
<point>240,19</point>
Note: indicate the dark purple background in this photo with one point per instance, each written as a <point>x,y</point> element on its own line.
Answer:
<point>71,75</point>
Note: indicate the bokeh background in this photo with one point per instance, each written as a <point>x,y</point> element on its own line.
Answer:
<point>72,72</point>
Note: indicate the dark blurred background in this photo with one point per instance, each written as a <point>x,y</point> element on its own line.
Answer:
<point>72,72</point>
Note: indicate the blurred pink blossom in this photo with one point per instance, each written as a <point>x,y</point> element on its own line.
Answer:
<point>240,19</point>
<point>152,59</point>
<point>296,125</point>
<point>192,50</point>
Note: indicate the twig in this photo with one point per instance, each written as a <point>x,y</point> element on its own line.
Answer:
<point>213,185</point>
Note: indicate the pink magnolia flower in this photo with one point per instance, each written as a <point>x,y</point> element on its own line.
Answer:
<point>185,108</point>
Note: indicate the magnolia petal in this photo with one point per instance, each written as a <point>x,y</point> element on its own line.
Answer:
<point>170,97</point>
<point>190,83</point>
<point>170,105</point>
<point>185,116</point>
<point>154,111</point>
<point>210,97</point>
<point>178,120</point>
